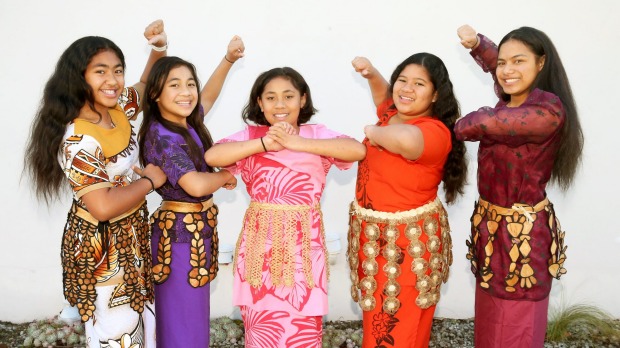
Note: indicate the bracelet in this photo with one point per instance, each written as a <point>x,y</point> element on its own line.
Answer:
<point>228,60</point>
<point>477,42</point>
<point>152,184</point>
<point>262,142</point>
<point>160,49</point>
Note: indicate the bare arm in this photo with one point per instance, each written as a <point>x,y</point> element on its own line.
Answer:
<point>402,139</point>
<point>198,184</point>
<point>225,154</point>
<point>345,149</point>
<point>156,36</point>
<point>378,85</point>
<point>211,90</point>
<point>109,202</point>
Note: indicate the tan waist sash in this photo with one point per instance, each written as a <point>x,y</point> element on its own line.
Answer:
<point>202,271</point>
<point>280,221</point>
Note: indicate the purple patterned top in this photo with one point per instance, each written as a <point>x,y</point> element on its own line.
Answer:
<point>517,145</point>
<point>169,151</point>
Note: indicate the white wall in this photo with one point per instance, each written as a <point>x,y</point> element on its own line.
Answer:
<point>319,39</point>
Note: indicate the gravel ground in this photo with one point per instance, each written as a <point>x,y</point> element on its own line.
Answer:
<point>453,333</point>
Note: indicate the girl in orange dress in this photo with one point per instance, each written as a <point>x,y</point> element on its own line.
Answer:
<point>399,237</point>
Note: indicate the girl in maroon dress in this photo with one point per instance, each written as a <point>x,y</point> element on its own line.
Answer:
<point>530,137</point>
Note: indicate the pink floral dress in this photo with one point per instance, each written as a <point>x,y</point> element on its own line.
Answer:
<point>280,262</point>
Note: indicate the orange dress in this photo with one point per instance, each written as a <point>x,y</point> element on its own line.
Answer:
<point>399,242</point>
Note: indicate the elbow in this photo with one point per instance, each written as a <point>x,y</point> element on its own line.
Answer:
<point>359,153</point>
<point>100,212</point>
<point>211,158</point>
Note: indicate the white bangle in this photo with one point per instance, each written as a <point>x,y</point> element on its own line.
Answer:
<point>160,49</point>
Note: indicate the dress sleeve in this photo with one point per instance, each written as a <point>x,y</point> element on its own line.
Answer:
<point>383,107</point>
<point>534,121</point>
<point>437,143</point>
<point>166,152</point>
<point>486,56</point>
<point>84,164</point>
<point>322,132</point>
<point>239,136</point>
<point>129,101</point>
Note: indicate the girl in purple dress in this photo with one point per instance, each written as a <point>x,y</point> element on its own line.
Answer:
<point>184,228</point>
<point>280,270</point>
<point>530,137</point>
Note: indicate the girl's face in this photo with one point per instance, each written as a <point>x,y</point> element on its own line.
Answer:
<point>106,77</point>
<point>517,68</point>
<point>179,96</point>
<point>281,102</point>
<point>413,92</point>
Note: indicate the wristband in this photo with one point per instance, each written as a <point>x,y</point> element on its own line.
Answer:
<point>160,49</point>
<point>231,62</point>
<point>262,142</point>
<point>152,184</point>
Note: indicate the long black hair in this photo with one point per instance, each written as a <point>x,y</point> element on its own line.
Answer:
<point>65,94</point>
<point>154,86</point>
<point>447,110</point>
<point>252,112</point>
<point>552,78</point>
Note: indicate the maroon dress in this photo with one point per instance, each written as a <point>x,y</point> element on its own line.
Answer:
<point>516,247</point>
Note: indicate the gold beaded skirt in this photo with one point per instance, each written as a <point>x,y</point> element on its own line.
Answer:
<point>411,248</point>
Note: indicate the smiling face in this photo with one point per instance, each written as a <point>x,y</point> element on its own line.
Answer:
<point>517,68</point>
<point>179,96</point>
<point>106,77</point>
<point>281,102</point>
<point>413,92</point>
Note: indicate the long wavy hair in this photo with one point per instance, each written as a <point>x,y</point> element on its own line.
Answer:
<point>447,110</point>
<point>65,94</point>
<point>252,112</point>
<point>155,84</point>
<point>552,78</point>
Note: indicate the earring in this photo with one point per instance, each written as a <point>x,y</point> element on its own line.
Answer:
<point>157,100</point>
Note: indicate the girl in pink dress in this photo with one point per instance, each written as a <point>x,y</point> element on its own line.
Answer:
<point>280,268</point>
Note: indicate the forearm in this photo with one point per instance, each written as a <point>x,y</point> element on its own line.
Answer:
<point>225,154</point>
<point>378,87</point>
<point>198,184</point>
<point>153,57</point>
<point>531,123</point>
<point>485,54</point>
<point>212,89</point>
<point>107,203</point>
<point>404,140</point>
<point>344,149</point>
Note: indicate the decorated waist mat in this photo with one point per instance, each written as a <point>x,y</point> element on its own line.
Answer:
<point>283,223</point>
<point>199,219</point>
<point>505,245</point>
<point>429,245</point>
<point>114,252</point>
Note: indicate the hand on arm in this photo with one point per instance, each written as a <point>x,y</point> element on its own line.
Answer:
<point>345,149</point>
<point>378,85</point>
<point>402,139</point>
<point>198,184</point>
<point>469,37</point>
<point>211,90</point>
<point>107,203</point>
<point>157,38</point>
